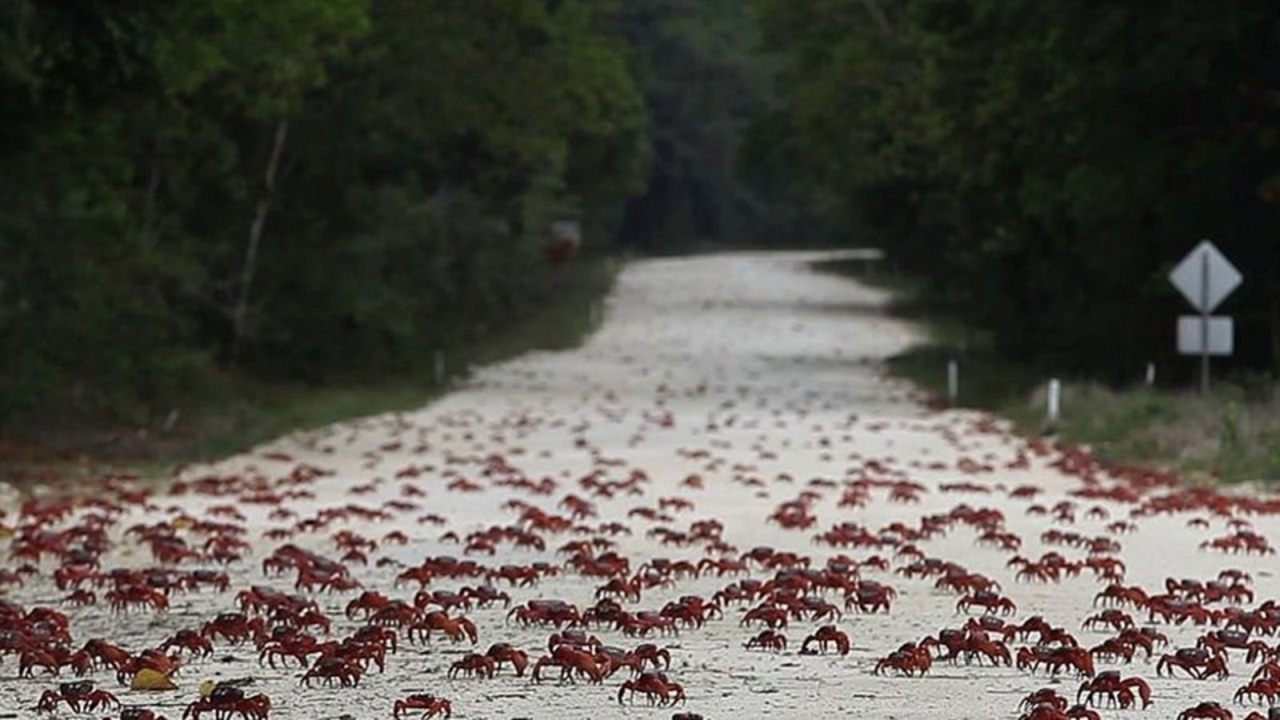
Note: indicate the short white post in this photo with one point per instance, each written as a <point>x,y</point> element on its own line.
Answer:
<point>439,367</point>
<point>1054,400</point>
<point>1151,374</point>
<point>953,380</point>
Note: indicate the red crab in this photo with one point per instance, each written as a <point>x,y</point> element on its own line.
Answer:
<point>79,696</point>
<point>429,704</point>
<point>227,699</point>
<point>655,686</point>
<point>827,635</point>
<point>188,640</point>
<point>768,640</point>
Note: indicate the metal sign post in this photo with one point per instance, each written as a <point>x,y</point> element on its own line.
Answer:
<point>1204,323</point>
<point>1205,277</point>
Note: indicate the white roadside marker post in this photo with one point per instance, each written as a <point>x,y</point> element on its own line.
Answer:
<point>1054,400</point>
<point>953,381</point>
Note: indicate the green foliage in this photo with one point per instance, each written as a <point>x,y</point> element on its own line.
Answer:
<point>1233,434</point>
<point>1041,163</point>
<point>263,56</point>
<point>1228,435</point>
<point>705,81</point>
<point>261,411</point>
<point>430,145</point>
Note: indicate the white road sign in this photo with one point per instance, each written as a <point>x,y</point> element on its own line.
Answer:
<point>1221,338</point>
<point>1205,277</point>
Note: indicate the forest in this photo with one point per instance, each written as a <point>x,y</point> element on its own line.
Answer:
<point>328,190</point>
<point>1042,164</point>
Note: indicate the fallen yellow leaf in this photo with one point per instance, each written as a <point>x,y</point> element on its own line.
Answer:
<point>148,679</point>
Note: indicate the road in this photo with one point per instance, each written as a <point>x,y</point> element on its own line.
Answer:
<point>764,380</point>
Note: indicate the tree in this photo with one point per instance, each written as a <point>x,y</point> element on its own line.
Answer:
<point>1042,163</point>
<point>306,187</point>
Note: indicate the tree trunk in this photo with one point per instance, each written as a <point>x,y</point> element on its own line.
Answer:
<point>241,311</point>
<point>878,15</point>
<point>149,234</point>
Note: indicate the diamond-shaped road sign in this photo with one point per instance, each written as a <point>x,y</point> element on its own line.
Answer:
<point>1205,277</point>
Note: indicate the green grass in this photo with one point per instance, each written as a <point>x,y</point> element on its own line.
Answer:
<point>1229,434</point>
<point>1233,434</point>
<point>987,381</point>
<point>244,412</point>
<point>264,411</point>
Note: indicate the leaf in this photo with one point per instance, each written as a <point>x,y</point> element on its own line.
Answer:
<point>148,679</point>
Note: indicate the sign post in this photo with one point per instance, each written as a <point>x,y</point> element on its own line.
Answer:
<point>1205,277</point>
<point>1204,323</point>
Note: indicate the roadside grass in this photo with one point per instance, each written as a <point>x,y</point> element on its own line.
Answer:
<point>987,381</point>
<point>1232,435</point>
<point>242,412</point>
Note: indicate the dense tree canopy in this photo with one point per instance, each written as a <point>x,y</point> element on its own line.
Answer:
<point>1043,162</point>
<point>296,188</point>
<point>317,188</point>
<point>705,80</point>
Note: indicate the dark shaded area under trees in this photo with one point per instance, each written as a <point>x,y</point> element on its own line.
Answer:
<point>705,81</point>
<point>329,190</point>
<point>1042,163</point>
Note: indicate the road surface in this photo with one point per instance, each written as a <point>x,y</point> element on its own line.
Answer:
<point>757,375</point>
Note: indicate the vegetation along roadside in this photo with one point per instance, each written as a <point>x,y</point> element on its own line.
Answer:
<point>1233,434</point>
<point>212,234</point>
<point>239,411</point>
